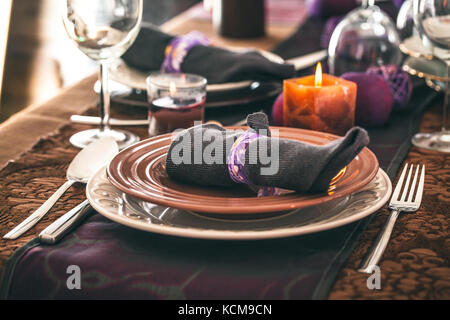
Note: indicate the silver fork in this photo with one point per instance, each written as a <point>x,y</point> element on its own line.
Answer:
<point>403,204</point>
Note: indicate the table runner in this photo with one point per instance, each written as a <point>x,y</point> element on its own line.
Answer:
<point>305,268</point>
<point>119,262</point>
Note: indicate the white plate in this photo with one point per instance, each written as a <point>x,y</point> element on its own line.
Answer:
<point>414,47</point>
<point>120,72</point>
<point>428,69</point>
<point>129,211</point>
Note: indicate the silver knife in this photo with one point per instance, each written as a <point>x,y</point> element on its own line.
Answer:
<point>118,122</point>
<point>114,122</point>
<point>59,228</point>
<point>308,60</point>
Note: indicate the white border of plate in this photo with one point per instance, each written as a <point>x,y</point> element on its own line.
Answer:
<point>120,72</point>
<point>108,201</point>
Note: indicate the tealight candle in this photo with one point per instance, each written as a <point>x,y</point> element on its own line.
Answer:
<point>319,102</point>
<point>176,100</point>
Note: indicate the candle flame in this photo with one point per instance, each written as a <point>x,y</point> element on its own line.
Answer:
<point>318,76</point>
<point>172,88</point>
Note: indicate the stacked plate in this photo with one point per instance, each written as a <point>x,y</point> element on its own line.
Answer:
<point>128,85</point>
<point>424,63</point>
<point>135,190</point>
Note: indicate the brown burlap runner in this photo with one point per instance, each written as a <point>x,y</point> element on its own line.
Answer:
<point>415,264</point>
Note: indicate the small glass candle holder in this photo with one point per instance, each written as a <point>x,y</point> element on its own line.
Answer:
<point>176,101</point>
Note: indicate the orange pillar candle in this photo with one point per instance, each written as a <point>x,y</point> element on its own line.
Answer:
<point>319,102</point>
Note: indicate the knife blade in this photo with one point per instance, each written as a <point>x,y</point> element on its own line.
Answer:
<point>308,60</point>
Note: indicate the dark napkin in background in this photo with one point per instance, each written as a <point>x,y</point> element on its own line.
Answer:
<point>303,167</point>
<point>216,64</point>
<point>123,263</point>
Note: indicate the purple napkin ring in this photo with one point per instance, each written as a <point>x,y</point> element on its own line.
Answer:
<point>178,48</point>
<point>236,162</point>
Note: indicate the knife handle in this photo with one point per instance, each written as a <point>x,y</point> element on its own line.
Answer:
<point>308,60</point>
<point>59,228</point>
<point>37,215</point>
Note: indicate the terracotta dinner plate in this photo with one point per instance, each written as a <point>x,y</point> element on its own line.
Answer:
<point>140,171</point>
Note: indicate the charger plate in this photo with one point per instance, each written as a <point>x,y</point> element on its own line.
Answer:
<point>139,171</point>
<point>135,213</point>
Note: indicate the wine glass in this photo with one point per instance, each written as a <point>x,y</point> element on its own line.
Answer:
<point>405,20</point>
<point>432,20</point>
<point>103,30</point>
<point>366,37</point>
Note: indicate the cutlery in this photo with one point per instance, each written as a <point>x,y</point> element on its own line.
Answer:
<point>403,204</point>
<point>307,60</point>
<point>118,122</point>
<point>60,227</point>
<point>112,121</point>
<point>85,164</point>
<point>300,62</point>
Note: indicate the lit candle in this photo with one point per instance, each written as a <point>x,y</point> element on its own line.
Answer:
<point>176,101</point>
<point>319,102</point>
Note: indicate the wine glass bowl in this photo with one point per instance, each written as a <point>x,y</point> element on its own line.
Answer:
<point>405,20</point>
<point>432,21</point>
<point>103,30</point>
<point>366,37</point>
<point>432,18</point>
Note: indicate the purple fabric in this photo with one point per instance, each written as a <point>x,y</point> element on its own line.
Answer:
<point>118,262</point>
<point>399,83</point>
<point>330,25</point>
<point>179,47</point>
<point>398,3</point>
<point>328,8</point>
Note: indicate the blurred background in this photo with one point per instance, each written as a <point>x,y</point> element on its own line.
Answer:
<point>36,57</point>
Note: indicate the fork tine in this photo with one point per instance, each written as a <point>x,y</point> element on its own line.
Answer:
<point>406,189</point>
<point>398,187</point>
<point>419,194</point>
<point>413,184</point>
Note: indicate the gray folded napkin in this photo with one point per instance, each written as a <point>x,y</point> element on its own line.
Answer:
<point>216,64</point>
<point>198,155</point>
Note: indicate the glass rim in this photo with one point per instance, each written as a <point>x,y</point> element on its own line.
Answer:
<point>198,81</point>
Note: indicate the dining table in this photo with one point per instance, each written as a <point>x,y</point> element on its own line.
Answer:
<point>35,152</point>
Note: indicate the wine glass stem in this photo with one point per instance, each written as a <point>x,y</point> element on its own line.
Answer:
<point>446,99</point>
<point>104,97</point>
